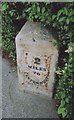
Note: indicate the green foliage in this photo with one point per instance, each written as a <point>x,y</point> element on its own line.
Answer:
<point>4,7</point>
<point>37,12</point>
<point>8,32</point>
<point>59,16</point>
<point>65,86</point>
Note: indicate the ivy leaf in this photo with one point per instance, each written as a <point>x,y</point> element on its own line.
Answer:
<point>36,16</point>
<point>67,100</point>
<point>4,7</point>
<point>53,17</point>
<point>62,102</point>
<point>43,9</point>
<point>67,21</point>
<point>71,13</point>
<point>11,13</point>
<point>72,19</point>
<point>38,8</point>
<point>28,10</point>
<point>62,19</point>
<point>60,12</point>
<point>65,11</point>
<point>64,113</point>
<point>60,110</point>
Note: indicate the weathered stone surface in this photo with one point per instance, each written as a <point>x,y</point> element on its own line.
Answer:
<point>17,104</point>
<point>36,58</point>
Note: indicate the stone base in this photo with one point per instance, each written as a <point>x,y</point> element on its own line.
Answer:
<point>35,90</point>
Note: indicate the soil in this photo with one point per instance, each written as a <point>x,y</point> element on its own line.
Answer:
<point>6,56</point>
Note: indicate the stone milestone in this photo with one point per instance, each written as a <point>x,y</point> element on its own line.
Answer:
<point>37,56</point>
